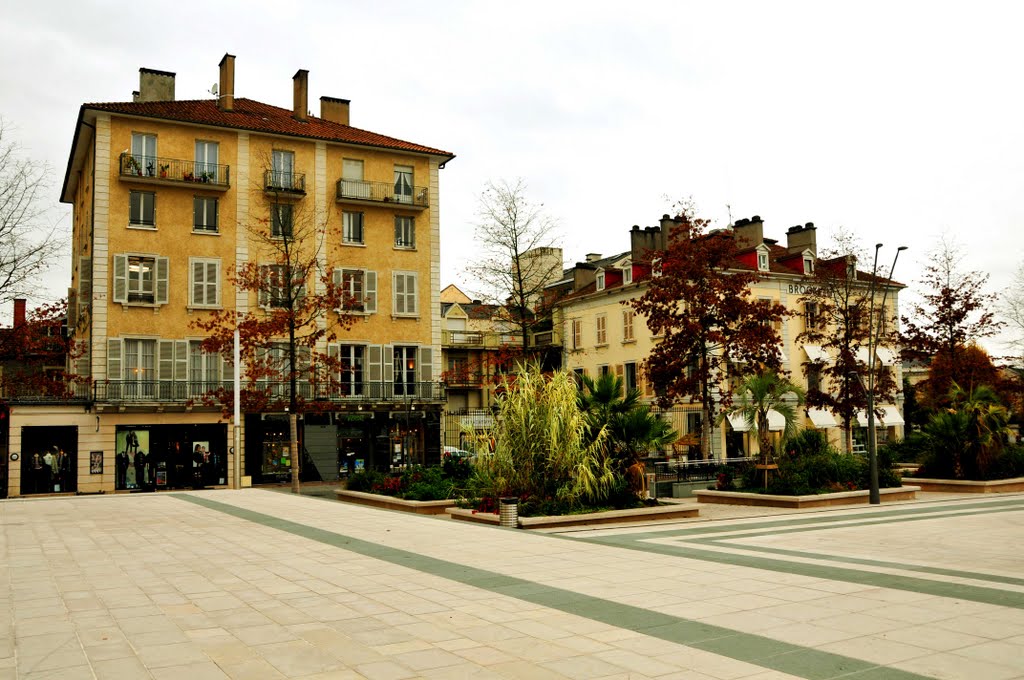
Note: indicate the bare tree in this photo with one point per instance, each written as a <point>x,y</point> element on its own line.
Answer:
<point>300,306</point>
<point>514,235</point>
<point>28,241</point>
<point>1013,311</point>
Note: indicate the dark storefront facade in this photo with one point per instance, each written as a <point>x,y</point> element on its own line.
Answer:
<point>154,457</point>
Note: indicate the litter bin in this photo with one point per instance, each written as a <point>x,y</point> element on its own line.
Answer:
<point>508,512</point>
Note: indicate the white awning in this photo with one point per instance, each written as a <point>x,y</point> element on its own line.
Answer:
<point>891,415</point>
<point>886,355</point>
<point>817,354</point>
<point>863,355</point>
<point>821,418</point>
<point>738,423</point>
<point>776,421</point>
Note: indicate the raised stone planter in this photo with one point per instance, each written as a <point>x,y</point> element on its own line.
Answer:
<point>376,500</point>
<point>964,486</point>
<point>660,512</point>
<point>901,493</point>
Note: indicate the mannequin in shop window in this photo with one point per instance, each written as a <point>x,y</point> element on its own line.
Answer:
<point>141,470</point>
<point>48,469</point>
<point>37,473</point>
<point>121,469</point>
<point>198,464</point>
<point>61,466</point>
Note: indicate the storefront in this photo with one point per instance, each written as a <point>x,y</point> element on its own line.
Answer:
<point>153,457</point>
<point>49,460</point>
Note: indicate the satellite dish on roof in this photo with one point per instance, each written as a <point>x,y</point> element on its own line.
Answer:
<point>213,90</point>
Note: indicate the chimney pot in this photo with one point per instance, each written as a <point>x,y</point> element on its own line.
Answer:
<point>756,218</point>
<point>300,95</point>
<point>335,110</point>
<point>226,90</point>
<point>155,86</point>
<point>809,225</point>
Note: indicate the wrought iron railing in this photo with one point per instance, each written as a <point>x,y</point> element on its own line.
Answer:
<point>181,391</point>
<point>381,192</point>
<point>463,378</point>
<point>174,170</point>
<point>286,182</point>
<point>48,393</point>
<point>479,339</point>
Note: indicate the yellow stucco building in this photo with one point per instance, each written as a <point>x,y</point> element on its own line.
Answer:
<point>166,196</point>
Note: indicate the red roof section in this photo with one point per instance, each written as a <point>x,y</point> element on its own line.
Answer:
<point>249,114</point>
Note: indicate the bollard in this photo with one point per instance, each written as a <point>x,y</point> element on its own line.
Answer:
<point>508,512</point>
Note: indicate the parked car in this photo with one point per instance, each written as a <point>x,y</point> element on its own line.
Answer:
<point>454,452</point>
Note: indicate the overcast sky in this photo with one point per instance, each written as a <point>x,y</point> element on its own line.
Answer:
<point>897,121</point>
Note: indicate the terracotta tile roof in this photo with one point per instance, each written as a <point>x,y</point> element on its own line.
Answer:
<point>256,116</point>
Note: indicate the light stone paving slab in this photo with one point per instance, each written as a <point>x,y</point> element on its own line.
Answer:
<point>253,581</point>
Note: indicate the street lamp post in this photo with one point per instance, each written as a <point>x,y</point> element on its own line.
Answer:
<point>874,333</point>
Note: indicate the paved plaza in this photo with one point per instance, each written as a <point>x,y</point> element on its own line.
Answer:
<point>261,584</point>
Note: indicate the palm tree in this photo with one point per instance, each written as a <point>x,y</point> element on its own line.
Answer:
<point>766,392</point>
<point>986,427</point>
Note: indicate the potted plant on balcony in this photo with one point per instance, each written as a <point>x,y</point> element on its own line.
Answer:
<point>189,177</point>
<point>131,166</point>
<point>164,167</point>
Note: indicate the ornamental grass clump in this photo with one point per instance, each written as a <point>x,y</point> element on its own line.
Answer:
<point>544,448</point>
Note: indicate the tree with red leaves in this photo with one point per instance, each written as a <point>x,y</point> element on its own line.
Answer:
<point>973,368</point>
<point>955,312</point>
<point>837,318</point>
<point>35,354</point>
<point>301,307</point>
<point>710,327</point>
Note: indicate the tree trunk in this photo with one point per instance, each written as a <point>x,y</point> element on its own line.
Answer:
<point>848,437</point>
<point>293,432</point>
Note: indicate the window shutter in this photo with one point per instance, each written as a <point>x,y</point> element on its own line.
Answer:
<point>213,283</point>
<point>374,370</point>
<point>198,279</point>
<point>82,362</point>
<point>398,295</point>
<point>227,370</point>
<point>166,359</point>
<point>149,209</point>
<point>162,271</point>
<point>411,290</point>
<point>114,359</point>
<point>120,278</point>
<point>370,290</point>
<point>264,292</point>
<point>72,309</point>
<point>181,360</point>
<point>334,354</point>
<point>389,364</point>
<point>84,283</point>
<point>426,361</point>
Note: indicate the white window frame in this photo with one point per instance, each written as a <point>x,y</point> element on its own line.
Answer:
<point>144,152</point>
<point>139,361</point>
<point>405,302</point>
<point>270,296</point>
<point>277,222</point>
<point>207,159</point>
<point>366,291</point>
<point>577,333</point>
<point>353,228</point>
<point>402,356</point>
<point>282,163</point>
<point>403,183</point>
<point>126,285</point>
<point>204,369</point>
<point>136,218</point>
<point>630,382</point>
<point>199,274</point>
<point>405,232</point>
<point>601,326</point>
<point>762,260</point>
<point>201,217</point>
<point>627,274</point>
<point>656,267</point>
<point>808,265</point>
<point>599,280</point>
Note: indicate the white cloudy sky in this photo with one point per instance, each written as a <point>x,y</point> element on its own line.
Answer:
<point>899,121</point>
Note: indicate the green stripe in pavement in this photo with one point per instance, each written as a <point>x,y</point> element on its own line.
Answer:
<point>780,656</point>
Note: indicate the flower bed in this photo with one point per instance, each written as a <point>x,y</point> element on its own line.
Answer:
<point>660,512</point>
<point>376,500</point>
<point>899,493</point>
<point>968,486</point>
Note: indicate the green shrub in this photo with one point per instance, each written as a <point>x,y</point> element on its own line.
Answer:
<point>912,449</point>
<point>807,442</point>
<point>1008,464</point>
<point>420,483</point>
<point>364,481</point>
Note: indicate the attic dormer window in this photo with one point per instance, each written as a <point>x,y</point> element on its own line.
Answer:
<point>656,267</point>
<point>762,260</point>
<point>627,274</point>
<point>808,265</point>
<point>600,280</point>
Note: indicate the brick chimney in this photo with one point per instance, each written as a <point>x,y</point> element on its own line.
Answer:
<point>300,95</point>
<point>226,89</point>
<point>334,110</point>
<point>749,233</point>
<point>799,239</point>
<point>593,257</point>
<point>19,312</point>
<point>155,86</point>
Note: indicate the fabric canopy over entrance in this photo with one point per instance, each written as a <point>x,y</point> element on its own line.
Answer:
<point>863,355</point>
<point>816,354</point>
<point>890,417</point>
<point>886,355</point>
<point>821,418</point>
<point>776,422</point>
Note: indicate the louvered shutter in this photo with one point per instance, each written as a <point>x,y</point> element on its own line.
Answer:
<point>72,309</point>
<point>166,360</point>
<point>162,275</point>
<point>227,371</point>
<point>84,283</point>
<point>388,362</point>
<point>370,291</point>
<point>399,293</point>
<point>120,278</point>
<point>114,359</point>
<point>338,281</point>
<point>412,293</point>
<point>198,282</point>
<point>265,283</point>
<point>213,283</point>
<point>374,370</point>
<point>426,376</point>
<point>181,361</point>
<point>82,362</point>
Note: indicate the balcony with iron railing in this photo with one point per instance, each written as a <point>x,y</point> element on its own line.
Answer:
<point>375,193</point>
<point>483,339</point>
<point>463,378</point>
<point>287,183</point>
<point>173,172</point>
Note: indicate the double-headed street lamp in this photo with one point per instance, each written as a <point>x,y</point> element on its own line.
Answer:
<point>874,333</point>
